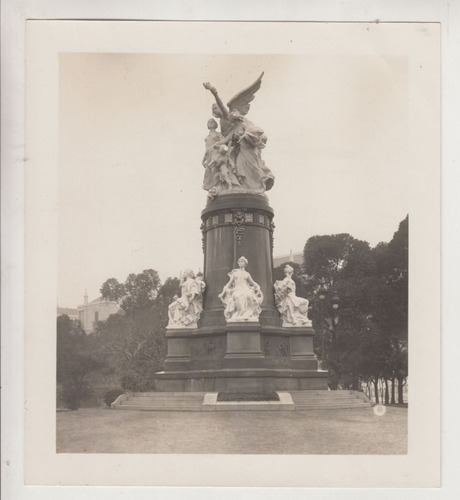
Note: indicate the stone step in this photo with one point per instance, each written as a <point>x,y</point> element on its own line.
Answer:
<point>322,398</point>
<point>162,403</point>
<point>324,395</point>
<point>175,402</point>
<point>335,403</point>
<point>333,400</point>
<point>330,407</point>
<point>324,402</point>
<point>330,404</point>
<point>170,398</point>
<point>166,394</point>
<point>200,408</point>
<point>159,408</point>
<point>326,398</point>
<point>327,394</point>
<point>301,400</point>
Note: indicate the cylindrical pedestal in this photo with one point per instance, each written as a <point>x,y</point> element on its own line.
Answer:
<point>248,355</point>
<point>236,225</point>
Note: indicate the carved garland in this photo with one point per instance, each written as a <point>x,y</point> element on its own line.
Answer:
<point>203,236</point>
<point>272,230</point>
<point>238,223</point>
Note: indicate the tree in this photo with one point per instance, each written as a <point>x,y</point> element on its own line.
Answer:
<point>113,290</point>
<point>133,346</point>
<point>343,267</point>
<point>136,293</point>
<point>391,308</point>
<point>329,258</point>
<point>166,293</point>
<point>74,362</point>
<point>367,341</point>
<point>356,347</point>
<point>129,348</point>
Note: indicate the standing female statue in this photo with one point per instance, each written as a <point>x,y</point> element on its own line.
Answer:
<point>218,176</point>
<point>247,143</point>
<point>241,296</point>
<point>293,309</point>
<point>211,139</point>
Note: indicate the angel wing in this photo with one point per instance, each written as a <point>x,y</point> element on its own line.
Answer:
<point>241,101</point>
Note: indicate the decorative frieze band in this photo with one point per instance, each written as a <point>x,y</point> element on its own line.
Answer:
<point>238,217</point>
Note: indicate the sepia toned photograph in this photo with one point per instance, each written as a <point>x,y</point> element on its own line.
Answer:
<point>234,219</point>
<point>212,327</point>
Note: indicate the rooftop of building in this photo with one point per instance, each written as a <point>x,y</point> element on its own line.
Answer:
<point>296,257</point>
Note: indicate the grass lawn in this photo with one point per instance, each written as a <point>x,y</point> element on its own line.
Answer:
<point>335,432</point>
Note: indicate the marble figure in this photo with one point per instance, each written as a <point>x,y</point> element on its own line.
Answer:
<point>293,309</point>
<point>184,311</point>
<point>241,296</point>
<point>244,141</point>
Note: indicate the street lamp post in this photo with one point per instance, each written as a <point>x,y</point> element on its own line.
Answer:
<point>324,308</point>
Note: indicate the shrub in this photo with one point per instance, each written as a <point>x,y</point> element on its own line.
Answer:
<point>73,394</point>
<point>112,395</point>
<point>138,381</point>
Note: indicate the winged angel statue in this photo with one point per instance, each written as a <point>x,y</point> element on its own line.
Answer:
<point>233,159</point>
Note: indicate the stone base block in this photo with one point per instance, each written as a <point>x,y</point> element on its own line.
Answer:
<point>210,403</point>
<point>241,380</point>
<point>242,356</point>
<point>243,340</point>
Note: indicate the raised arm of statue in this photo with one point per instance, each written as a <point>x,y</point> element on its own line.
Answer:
<point>239,102</point>
<point>213,90</point>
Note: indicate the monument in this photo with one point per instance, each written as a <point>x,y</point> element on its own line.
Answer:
<point>236,330</point>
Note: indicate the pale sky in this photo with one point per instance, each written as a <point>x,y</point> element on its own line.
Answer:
<point>131,140</point>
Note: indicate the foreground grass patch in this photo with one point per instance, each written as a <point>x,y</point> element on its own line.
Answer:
<point>339,432</point>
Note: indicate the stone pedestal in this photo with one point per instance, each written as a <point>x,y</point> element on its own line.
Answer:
<point>243,343</point>
<point>241,356</point>
<point>236,225</point>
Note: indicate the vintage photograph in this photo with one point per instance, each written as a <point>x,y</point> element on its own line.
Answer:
<point>291,301</point>
<point>237,234</point>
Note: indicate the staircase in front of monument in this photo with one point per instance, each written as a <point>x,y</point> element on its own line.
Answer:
<point>329,400</point>
<point>196,401</point>
<point>160,401</point>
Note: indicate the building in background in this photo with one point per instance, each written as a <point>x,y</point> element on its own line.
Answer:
<point>69,311</point>
<point>297,258</point>
<point>97,310</point>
